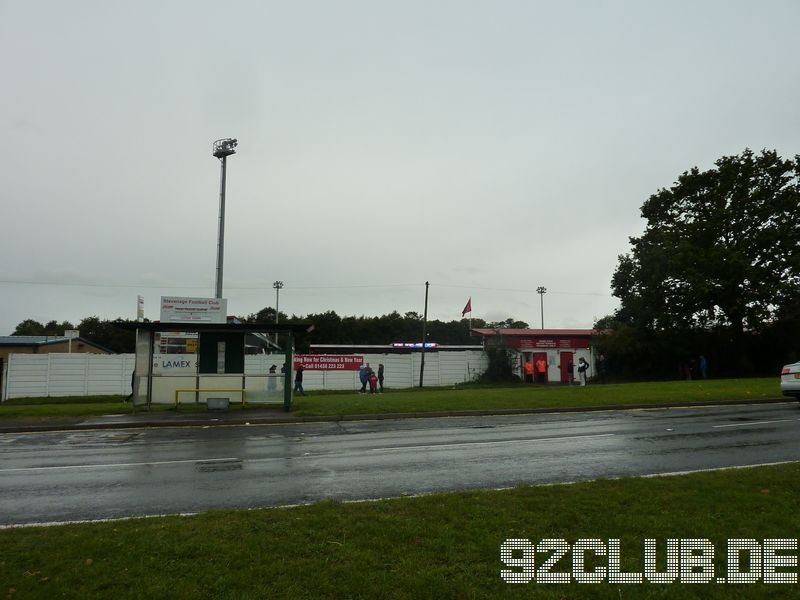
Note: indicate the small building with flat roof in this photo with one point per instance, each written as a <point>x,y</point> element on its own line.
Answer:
<point>45,344</point>
<point>558,347</point>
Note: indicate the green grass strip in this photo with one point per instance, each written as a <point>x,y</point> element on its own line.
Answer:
<point>469,397</point>
<point>537,396</point>
<point>438,546</point>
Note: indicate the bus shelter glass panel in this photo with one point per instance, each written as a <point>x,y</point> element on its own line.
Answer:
<point>141,370</point>
<point>264,378</point>
<point>174,366</point>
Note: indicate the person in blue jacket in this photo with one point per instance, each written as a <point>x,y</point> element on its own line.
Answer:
<point>363,376</point>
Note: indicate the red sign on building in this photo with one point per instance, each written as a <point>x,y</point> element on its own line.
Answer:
<point>576,342</point>
<point>328,362</point>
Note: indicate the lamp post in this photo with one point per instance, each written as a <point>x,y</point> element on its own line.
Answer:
<point>541,291</point>
<point>222,149</point>
<point>424,336</point>
<point>278,285</point>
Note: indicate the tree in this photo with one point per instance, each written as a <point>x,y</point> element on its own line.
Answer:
<point>721,248</point>
<point>108,334</point>
<point>265,315</point>
<point>509,323</point>
<point>32,327</point>
<point>29,327</point>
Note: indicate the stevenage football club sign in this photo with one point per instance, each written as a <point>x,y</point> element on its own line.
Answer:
<point>175,309</point>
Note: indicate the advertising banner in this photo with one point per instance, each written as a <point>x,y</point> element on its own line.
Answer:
<point>174,364</point>
<point>176,309</point>
<point>328,362</point>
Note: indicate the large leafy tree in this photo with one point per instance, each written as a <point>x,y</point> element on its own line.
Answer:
<point>721,248</point>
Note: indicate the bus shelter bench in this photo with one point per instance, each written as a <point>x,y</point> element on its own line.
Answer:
<point>240,390</point>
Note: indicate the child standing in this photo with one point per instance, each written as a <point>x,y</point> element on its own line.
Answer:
<point>373,382</point>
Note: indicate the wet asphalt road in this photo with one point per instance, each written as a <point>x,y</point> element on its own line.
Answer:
<point>58,476</point>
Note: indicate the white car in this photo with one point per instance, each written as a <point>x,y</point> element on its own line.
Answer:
<point>790,380</point>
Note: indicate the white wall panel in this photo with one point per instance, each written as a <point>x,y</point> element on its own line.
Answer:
<point>30,375</point>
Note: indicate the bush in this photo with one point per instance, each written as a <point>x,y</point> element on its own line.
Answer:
<point>501,366</point>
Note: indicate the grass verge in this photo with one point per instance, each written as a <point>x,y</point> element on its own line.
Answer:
<point>469,397</point>
<point>537,396</point>
<point>438,546</point>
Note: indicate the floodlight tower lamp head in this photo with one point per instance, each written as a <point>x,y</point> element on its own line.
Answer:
<point>225,147</point>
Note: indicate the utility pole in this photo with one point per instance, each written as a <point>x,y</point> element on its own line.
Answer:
<point>424,336</point>
<point>541,291</point>
<point>278,285</point>
<point>222,150</point>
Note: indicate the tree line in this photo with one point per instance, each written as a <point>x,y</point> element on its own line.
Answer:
<point>329,328</point>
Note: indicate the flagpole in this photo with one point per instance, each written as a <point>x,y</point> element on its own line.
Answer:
<point>468,309</point>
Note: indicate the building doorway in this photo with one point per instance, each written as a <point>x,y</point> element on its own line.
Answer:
<point>567,367</point>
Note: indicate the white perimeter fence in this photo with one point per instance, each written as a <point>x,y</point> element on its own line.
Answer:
<point>56,374</point>
<point>32,375</point>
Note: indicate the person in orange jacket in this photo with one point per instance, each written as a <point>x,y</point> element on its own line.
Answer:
<point>541,370</point>
<point>528,368</point>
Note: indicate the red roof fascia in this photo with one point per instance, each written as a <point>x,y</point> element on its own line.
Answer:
<point>537,332</point>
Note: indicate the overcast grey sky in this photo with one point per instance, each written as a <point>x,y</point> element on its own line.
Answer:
<point>488,147</point>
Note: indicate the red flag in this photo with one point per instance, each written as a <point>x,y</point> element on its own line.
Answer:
<point>468,307</point>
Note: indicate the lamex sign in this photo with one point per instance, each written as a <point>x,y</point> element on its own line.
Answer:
<point>328,362</point>
<point>174,364</point>
<point>175,309</point>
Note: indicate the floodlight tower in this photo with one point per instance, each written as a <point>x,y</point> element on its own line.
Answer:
<point>278,285</point>
<point>222,150</point>
<point>541,290</point>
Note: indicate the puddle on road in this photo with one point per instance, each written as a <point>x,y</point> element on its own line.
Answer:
<point>216,466</point>
<point>94,438</point>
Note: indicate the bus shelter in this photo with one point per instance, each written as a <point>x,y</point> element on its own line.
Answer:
<point>214,363</point>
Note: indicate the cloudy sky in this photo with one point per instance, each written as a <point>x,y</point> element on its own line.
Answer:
<point>488,147</point>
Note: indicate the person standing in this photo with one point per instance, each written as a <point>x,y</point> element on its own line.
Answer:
<point>600,367</point>
<point>687,370</point>
<point>298,380</point>
<point>703,364</point>
<point>133,385</point>
<point>373,382</point>
<point>380,376</point>
<point>528,367</point>
<point>363,376</point>
<point>272,378</point>
<point>583,367</point>
<point>541,370</point>
<point>570,372</point>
